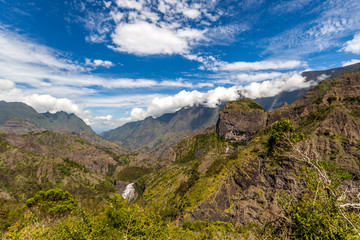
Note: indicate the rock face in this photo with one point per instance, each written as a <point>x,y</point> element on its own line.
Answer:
<point>240,120</point>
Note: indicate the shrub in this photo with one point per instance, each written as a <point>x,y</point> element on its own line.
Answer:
<point>281,136</point>
<point>53,201</point>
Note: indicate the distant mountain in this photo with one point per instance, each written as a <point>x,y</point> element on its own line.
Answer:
<point>19,117</point>
<point>153,131</point>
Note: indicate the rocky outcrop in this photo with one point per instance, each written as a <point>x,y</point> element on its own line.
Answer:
<point>249,193</point>
<point>240,120</point>
<point>129,191</point>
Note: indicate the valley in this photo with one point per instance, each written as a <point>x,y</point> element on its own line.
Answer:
<point>236,171</point>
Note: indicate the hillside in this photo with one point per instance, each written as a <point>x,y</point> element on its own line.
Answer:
<point>242,180</point>
<point>19,117</point>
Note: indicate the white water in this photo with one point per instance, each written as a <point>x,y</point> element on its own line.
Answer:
<point>129,192</point>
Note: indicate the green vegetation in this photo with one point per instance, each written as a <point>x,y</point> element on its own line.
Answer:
<point>68,182</point>
<point>317,213</point>
<point>53,201</point>
<point>113,219</point>
<point>130,174</point>
<point>196,147</point>
<point>246,104</point>
<point>281,137</point>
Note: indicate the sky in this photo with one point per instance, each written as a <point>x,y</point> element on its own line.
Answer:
<point>116,61</point>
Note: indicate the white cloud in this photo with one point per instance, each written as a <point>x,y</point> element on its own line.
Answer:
<point>353,46</point>
<point>167,104</point>
<point>6,84</point>
<point>14,48</point>
<point>144,38</point>
<point>130,4</point>
<point>192,13</point>
<point>335,20</point>
<point>274,87</point>
<point>99,63</point>
<point>162,105</point>
<point>323,77</point>
<point>40,102</point>
<point>262,65</point>
<point>351,62</point>
<point>256,77</point>
<point>163,27</point>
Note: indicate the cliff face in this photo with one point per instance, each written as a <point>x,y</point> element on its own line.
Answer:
<point>240,120</point>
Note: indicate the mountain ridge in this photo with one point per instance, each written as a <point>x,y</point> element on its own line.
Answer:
<point>59,121</point>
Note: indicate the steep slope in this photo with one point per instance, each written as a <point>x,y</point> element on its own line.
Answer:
<point>242,181</point>
<point>153,131</point>
<point>15,116</point>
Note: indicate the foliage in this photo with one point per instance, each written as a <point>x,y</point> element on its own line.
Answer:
<point>53,201</point>
<point>246,104</point>
<point>316,214</point>
<point>196,147</point>
<point>281,135</point>
<point>129,174</point>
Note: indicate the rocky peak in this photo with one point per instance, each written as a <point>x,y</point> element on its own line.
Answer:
<point>239,120</point>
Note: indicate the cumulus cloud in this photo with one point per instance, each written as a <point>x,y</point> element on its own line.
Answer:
<point>144,38</point>
<point>274,87</point>
<point>167,27</point>
<point>40,102</point>
<point>351,62</point>
<point>98,63</point>
<point>353,46</point>
<point>161,105</point>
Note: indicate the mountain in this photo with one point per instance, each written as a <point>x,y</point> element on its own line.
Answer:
<point>16,116</point>
<point>292,173</point>
<point>285,169</point>
<point>151,132</point>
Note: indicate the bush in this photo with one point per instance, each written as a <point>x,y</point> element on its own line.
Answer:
<point>53,201</point>
<point>281,136</point>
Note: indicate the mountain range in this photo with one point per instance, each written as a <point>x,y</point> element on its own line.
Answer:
<point>16,116</point>
<point>151,132</point>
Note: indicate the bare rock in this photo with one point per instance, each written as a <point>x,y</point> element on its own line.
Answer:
<point>240,120</point>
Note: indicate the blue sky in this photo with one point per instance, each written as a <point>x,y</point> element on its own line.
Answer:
<point>116,61</point>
